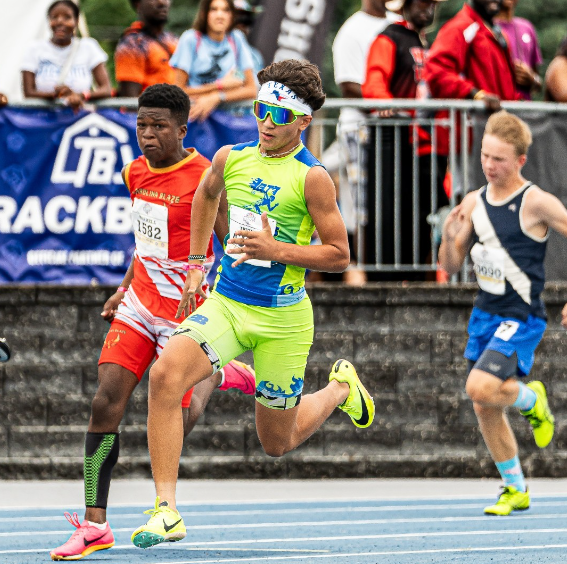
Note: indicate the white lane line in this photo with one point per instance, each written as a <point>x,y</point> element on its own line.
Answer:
<point>303,501</point>
<point>279,540</point>
<point>384,553</point>
<point>298,511</point>
<point>304,524</point>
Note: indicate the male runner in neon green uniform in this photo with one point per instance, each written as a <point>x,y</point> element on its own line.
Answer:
<point>278,193</point>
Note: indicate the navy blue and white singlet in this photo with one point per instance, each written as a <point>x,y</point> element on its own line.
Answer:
<point>509,262</point>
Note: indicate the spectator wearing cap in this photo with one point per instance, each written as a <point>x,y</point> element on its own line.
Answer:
<point>556,75</point>
<point>524,47</point>
<point>244,20</point>
<point>350,50</point>
<point>144,50</point>
<point>470,58</point>
<point>395,70</point>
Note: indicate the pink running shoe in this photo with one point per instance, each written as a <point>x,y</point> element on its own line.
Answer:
<point>85,540</point>
<point>239,376</point>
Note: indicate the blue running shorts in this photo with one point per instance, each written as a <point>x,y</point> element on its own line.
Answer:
<point>505,335</point>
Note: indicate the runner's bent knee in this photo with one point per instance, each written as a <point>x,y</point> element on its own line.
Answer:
<point>482,386</point>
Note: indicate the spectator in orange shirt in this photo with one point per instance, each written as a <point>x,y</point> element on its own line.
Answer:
<point>143,52</point>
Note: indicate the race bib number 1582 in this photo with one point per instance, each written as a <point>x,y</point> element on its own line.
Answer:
<point>150,229</point>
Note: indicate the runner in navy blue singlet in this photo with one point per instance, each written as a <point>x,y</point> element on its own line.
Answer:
<point>505,226</point>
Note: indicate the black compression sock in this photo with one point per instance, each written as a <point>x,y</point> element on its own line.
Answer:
<point>101,454</point>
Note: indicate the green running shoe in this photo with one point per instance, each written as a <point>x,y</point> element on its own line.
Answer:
<point>540,417</point>
<point>359,404</point>
<point>164,525</point>
<point>510,500</point>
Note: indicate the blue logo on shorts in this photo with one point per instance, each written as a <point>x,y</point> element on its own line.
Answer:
<point>200,319</point>
<point>273,390</point>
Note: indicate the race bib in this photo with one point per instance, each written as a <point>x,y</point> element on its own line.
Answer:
<point>244,220</point>
<point>150,229</point>
<point>489,268</point>
<point>507,329</point>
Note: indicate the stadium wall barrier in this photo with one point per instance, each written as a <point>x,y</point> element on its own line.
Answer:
<point>406,342</point>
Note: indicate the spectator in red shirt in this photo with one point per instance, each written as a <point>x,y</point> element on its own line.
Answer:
<point>470,58</point>
<point>395,70</point>
<point>143,52</point>
<point>524,48</point>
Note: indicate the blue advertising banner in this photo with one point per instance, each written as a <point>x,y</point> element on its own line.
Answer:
<point>64,210</point>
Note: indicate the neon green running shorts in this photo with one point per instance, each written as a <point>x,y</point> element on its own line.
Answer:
<point>280,338</point>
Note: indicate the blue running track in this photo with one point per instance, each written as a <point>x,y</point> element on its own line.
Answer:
<point>350,531</point>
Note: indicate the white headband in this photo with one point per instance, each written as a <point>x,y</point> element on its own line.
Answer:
<point>280,95</point>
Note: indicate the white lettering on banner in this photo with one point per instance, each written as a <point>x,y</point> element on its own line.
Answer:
<point>311,11</point>
<point>97,257</point>
<point>294,35</point>
<point>8,208</point>
<point>30,216</point>
<point>98,155</point>
<point>89,213</point>
<point>80,216</point>
<point>297,28</point>
<point>51,214</point>
<point>118,216</point>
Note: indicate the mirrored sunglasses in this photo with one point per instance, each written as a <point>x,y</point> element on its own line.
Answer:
<point>278,115</point>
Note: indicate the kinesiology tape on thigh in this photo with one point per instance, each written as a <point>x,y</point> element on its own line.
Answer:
<point>101,454</point>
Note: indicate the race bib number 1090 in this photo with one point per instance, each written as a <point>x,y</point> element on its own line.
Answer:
<point>150,229</point>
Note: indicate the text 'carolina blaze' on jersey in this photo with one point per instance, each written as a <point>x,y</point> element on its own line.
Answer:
<point>276,186</point>
<point>161,213</point>
<point>508,262</point>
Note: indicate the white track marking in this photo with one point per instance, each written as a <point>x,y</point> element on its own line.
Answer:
<point>302,501</point>
<point>358,522</point>
<point>296,511</point>
<point>363,554</point>
<point>279,541</point>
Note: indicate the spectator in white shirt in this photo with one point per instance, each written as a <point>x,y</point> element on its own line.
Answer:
<point>350,51</point>
<point>64,66</point>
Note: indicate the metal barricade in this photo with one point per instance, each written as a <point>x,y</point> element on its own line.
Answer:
<point>390,236</point>
<point>379,153</point>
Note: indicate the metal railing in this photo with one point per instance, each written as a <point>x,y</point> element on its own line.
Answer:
<point>381,149</point>
<point>452,125</point>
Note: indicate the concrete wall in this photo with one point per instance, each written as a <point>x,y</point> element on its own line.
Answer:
<point>406,342</point>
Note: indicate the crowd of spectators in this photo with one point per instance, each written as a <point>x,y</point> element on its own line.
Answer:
<point>212,62</point>
<point>485,52</point>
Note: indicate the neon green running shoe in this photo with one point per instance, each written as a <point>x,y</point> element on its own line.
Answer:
<point>540,417</point>
<point>165,525</point>
<point>510,500</point>
<point>359,404</point>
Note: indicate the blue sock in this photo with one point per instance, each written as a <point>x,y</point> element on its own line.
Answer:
<point>511,472</point>
<point>526,398</point>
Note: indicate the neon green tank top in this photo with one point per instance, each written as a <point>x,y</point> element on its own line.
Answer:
<point>275,186</point>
